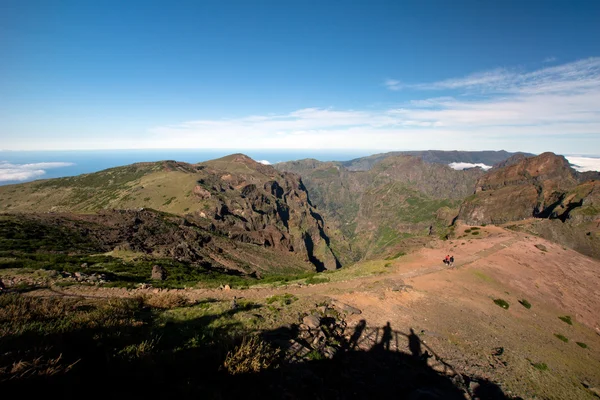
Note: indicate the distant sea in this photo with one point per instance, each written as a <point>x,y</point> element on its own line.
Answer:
<point>23,166</point>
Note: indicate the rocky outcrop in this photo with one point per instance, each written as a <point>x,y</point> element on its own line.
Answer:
<point>268,208</point>
<point>529,187</point>
<point>545,191</point>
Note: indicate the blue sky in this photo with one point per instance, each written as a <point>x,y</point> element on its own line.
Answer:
<point>517,75</point>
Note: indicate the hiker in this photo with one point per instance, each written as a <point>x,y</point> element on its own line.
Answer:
<point>451,260</point>
<point>447,260</point>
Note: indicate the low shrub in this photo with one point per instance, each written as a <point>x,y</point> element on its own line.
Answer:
<point>566,319</point>
<point>540,366</point>
<point>525,303</point>
<point>285,299</point>
<point>313,280</point>
<point>501,303</point>
<point>561,337</point>
<point>582,345</point>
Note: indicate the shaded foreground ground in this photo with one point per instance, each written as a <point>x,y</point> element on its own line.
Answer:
<point>178,341</point>
<point>122,348</point>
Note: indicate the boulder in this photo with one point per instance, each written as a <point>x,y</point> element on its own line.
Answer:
<point>348,309</point>
<point>159,273</point>
<point>312,321</point>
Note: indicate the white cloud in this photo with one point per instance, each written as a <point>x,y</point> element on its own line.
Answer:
<point>554,108</point>
<point>549,60</point>
<point>577,75</point>
<point>583,164</point>
<point>23,172</point>
<point>393,84</point>
<point>464,165</point>
<point>265,162</point>
<point>511,109</point>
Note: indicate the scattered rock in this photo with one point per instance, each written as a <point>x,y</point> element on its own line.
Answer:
<point>84,265</point>
<point>541,247</point>
<point>312,321</point>
<point>226,288</point>
<point>53,273</point>
<point>348,309</point>
<point>159,273</point>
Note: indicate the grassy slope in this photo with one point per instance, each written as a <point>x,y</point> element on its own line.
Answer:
<point>138,185</point>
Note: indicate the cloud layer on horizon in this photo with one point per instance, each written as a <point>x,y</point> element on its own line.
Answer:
<point>583,164</point>
<point>23,172</point>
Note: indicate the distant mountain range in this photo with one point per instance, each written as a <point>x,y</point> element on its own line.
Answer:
<point>490,158</point>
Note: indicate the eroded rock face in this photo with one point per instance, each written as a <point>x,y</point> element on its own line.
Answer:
<point>254,203</point>
<point>529,187</point>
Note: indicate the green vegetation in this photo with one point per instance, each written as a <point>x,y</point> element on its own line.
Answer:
<point>283,299</point>
<point>169,201</point>
<point>314,280</point>
<point>561,337</point>
<point>397,255</point>
<point>475,233</point>
<point>315,355</point>
<point>582,345</point>
<point>482,276</point>
<point>501,303</point>
<point>467,230</point>
<point>525,303</point>
<point>540,366</point>
<point>566,319</point>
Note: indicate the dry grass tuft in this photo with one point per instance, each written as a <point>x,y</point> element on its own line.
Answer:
<point>165,300</point>
<point>39,366</point>
<point>252,355</point>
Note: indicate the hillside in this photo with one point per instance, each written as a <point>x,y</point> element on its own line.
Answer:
<point>234,197</point>
<point>541,195</point>
<point>385,209</point>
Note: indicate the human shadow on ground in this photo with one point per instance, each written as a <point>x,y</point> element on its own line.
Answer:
<point>369,364</point>
<point>185,359</point>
